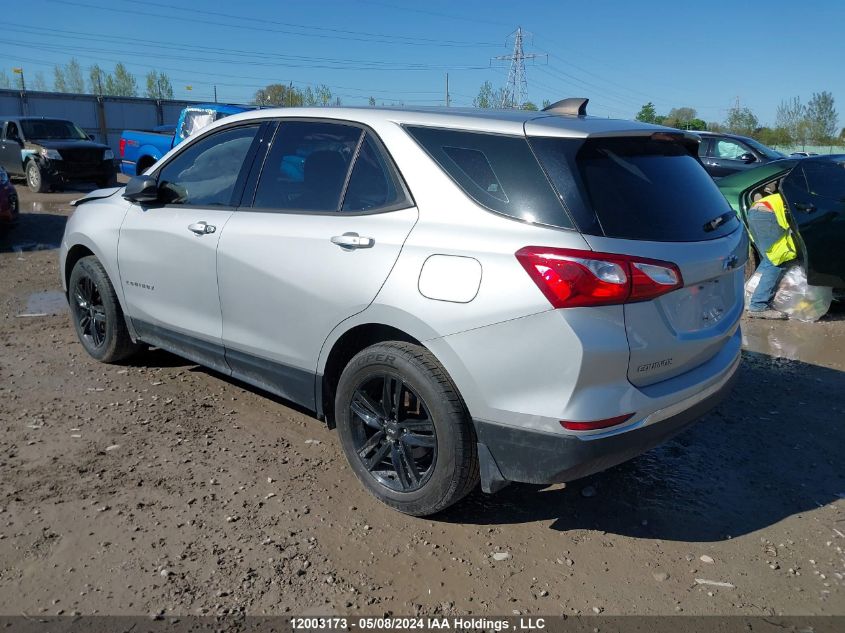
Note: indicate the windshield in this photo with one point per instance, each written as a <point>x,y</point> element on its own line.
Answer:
<point>52,129</point>
<point>768,152</point>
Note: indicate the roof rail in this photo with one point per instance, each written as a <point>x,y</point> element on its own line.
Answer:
<point>575,106</point>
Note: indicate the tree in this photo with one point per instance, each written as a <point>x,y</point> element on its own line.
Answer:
<point>98,79</point>
<point>647,114</point>
<point>741,121</point>
<point>159,86</point>
<point>324,95</point>
<point>822,118</point>
<point>73,77</point>
<point>38,82</point>
<point>372,101</point>
<point>59,82</point>
<point>789,115</point>
<point>714,126</point>
<point>529,105</point>
<point>546,103</point>
<point>777,136</point>
<point>680,117</point>
<point>279,95</point>
<point>485,96</point>
<point>5,82</point>
<point>121,83</point>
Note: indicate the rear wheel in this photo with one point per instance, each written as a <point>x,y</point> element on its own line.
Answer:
<point>96,313</point>
<point>405,430</point>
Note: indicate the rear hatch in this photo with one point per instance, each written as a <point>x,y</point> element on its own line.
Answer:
<point>646,195</point>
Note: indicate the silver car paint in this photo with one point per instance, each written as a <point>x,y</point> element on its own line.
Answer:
<point>515,360</point>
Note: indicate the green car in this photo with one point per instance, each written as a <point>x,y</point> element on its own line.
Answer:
<point>814,190</point>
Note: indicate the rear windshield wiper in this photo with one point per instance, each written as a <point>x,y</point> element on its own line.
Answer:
<point>715,223</point>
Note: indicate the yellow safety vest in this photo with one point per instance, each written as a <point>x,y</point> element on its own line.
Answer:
<point>783,250</point>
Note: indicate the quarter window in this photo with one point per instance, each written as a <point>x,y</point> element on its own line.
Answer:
<point>205,172</point>
<point>307,166</point>
<point>499,172</point>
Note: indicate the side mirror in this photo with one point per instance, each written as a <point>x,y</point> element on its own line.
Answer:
<point>141,189</point>
<point>748,157</point>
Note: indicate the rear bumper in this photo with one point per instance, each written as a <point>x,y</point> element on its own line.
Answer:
<point>516,454</point>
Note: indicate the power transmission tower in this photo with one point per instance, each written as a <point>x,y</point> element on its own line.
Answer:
<point>515,92</point>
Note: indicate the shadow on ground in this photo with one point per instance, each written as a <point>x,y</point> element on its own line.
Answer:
<point>772,450</point>
<point>33,232</point>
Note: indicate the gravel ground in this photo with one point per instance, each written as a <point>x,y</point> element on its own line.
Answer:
<point>160,487</point>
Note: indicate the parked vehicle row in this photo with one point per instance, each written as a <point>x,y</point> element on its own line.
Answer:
<point>140,149</point>
<point>50,153</point>
<point>503,296</point>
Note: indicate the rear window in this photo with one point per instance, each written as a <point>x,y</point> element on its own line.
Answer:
<point>825,178</point>
<point>636,188</point>
<point>499,172</point>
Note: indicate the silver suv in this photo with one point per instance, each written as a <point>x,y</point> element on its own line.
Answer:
<point>465,295</point>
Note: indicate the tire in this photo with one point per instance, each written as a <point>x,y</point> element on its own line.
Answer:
<point>96,313</point>
<point>35,179</point>
<point>416,467</point>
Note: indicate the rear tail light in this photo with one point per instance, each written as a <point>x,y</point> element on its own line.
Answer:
<point>594,425</point>
<point>122,147</point>
<point>574,278</point>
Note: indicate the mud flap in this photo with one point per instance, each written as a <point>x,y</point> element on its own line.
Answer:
<point>492,479</point>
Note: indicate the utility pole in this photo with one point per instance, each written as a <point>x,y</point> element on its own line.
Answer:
<point>19,71</point>
<point>215,94</point>
<point>447,90</point>
<point>515,93</point>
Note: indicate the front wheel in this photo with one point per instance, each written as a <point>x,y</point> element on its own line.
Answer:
<point>405,430</point>
<point>96,313</point>
<point>35,178</point>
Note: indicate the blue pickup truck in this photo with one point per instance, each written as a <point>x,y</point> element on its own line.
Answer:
<point>139,149</point>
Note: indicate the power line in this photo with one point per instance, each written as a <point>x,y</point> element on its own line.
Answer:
<point>372,38</point>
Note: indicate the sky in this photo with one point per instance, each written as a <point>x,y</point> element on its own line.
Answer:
<point>708,56</point>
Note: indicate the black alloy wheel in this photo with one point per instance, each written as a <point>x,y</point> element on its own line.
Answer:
<point>90,311</point>
<point>393,432</point>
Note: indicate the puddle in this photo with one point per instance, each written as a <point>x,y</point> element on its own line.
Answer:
<point>46,303</point>
<point>814,343</point>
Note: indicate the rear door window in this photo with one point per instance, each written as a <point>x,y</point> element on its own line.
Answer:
<point>498,172</point>
<point>374,184</point>
<point>637,188</point>
<point>307,166</point>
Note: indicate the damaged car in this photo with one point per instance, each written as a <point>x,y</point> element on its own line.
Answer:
<point>814,190</point>
<point>51,153</point>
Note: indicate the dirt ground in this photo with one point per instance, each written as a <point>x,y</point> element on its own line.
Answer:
<point>161,487</point>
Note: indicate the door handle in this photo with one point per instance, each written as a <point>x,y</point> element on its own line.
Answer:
<point>806,208</point>
<point>350,241</point>
<point>201,228</point>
